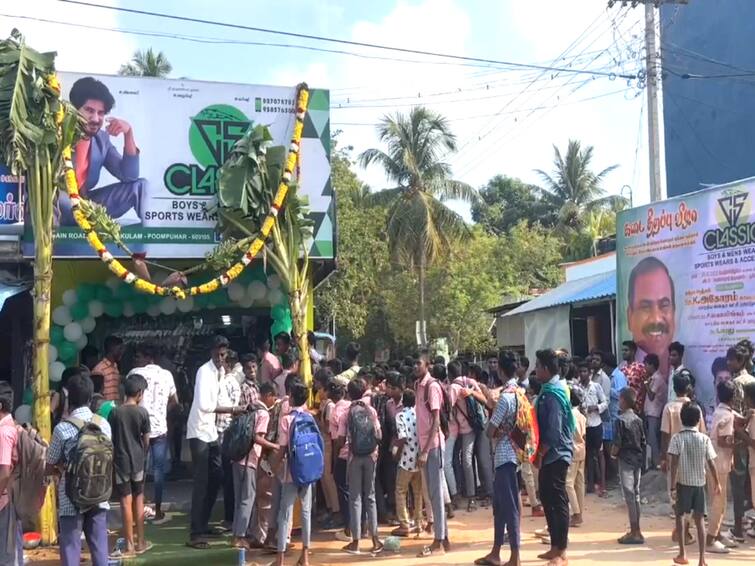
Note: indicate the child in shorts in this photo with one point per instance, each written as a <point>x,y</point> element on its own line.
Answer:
<point>691,452</point>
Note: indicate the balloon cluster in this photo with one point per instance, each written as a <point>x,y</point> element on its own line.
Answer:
<point>77,316</point>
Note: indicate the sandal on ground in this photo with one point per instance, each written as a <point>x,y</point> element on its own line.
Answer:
<point>485,561</point>
<point>377,549</point>
<point>147,547</point>
<point>680,560</point>
<point>400,532</point>
<point>353,552</point>
<point>429,551</point>
<point>198,544</point>
<point>471,506</point>
<point>630,539</point>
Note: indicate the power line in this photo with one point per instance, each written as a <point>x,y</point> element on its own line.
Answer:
<point>342,41</point>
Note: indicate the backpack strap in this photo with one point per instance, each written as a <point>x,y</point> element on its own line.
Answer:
<point>98,420</point>
<point>78,423</point>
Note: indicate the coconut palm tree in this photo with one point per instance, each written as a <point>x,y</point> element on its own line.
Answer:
<point>147,64</point>
<point>419,225</point>
<point>573,189</point>
<point>35,125</point>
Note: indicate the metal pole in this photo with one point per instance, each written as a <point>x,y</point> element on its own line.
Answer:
<point>654,138</point>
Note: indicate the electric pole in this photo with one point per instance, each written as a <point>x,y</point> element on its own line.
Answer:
<point>652,84</point>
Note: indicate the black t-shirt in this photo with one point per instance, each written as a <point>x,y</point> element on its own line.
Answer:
<point>129,423</point>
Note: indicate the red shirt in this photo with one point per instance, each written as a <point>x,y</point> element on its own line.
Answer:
<point>112,379</point>
<point>635,373</point>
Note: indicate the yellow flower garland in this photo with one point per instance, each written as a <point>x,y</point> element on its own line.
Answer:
<point>231,273</point>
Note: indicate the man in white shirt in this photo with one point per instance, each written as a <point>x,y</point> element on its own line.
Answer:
<point>675,355</point>
<point>202,434</point>
<point>160,394</point>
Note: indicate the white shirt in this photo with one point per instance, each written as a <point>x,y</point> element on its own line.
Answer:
<point>201,422</point>
<point>602,379</point>
<point>160,388</point>
<point>238,373</point>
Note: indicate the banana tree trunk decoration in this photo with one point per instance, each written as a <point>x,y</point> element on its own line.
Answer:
<point>246,189</point>
<point>34,125</point>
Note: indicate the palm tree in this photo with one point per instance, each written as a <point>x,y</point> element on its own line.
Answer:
<point>147,64</point>
<point>420,226</point>
<point>573,189</point>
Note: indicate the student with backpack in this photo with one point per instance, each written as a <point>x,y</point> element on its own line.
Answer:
<point>243,444</point>
<point>131,427</point>
<point>11,543</point>
<point>299,464</point>
<point>431,403</point>
<point>336,393</point>
<point>359,431</point>
<point>82,453</point>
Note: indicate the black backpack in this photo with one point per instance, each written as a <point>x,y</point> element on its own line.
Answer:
<point>238,439</point>
<point>362,436</point>
<point>89,467</point>
<point>380,404</point>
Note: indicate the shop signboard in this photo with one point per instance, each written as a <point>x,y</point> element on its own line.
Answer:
<point>154,150</point>
<point>686,273</point>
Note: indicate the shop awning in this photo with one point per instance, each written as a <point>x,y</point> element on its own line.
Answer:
<point>589,288</point>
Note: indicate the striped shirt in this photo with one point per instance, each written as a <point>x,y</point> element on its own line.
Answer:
<point>694,450</point>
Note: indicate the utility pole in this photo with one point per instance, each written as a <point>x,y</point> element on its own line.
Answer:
<point>652,84</point>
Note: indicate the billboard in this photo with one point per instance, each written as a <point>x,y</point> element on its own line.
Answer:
<point>686,273</point>
<point>153,150</point>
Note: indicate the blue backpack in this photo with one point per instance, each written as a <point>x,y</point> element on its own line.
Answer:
<point>305,450</point>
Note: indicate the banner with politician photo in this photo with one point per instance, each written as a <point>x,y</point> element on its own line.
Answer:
<point>152,150</point>
<point>686,274</point>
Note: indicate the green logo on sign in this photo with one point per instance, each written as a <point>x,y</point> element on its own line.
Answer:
<point>212,134</point>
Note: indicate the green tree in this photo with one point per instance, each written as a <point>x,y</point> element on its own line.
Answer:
<point>419,226</point>
<point>504,201</point>
<point>529,258</point>
<point>147,64</point>
<point>572,189</point>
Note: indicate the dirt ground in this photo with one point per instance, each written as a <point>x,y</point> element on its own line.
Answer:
<point>470,534</point>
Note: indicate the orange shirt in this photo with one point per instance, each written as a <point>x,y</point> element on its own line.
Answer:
<point>111,378</point>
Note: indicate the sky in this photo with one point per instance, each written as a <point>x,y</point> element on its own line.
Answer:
<point>506,118</point>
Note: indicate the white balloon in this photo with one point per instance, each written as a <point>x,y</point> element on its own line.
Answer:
<point>52,353</point>
<point>236,292</point>
<point>61,315</point>
<point>96,308</point>
<point>113,283</point>
<point>246,302</point>
<point>128,310</point>
<point>153,310</point>
<point>88,324</point>
<point>257,290</point>
<point>23,414</point>
<point>69,297</point>
<point>186,305</point>
<point>275,296</point>
<point>81,342</point>
<point>273,281</point>
<point>73,331</point>
<point>56,371</point>
<point>168,306</point>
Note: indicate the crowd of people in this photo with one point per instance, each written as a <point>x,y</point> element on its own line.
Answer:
<point>406,444</point>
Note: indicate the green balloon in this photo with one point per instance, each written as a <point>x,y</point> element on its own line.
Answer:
<point>103,293</point>
<point>28,397</point>
<point>124,292</point>
<point>67,351</point>
<point>140,304</point>
<point>114,309</point>
<point>80,310</point>
<point>278,313</point>
<point>86,292</point>
<point>56,336</point>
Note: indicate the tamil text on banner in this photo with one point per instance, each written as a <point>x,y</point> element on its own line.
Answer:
<point>686,273</point>
<point>153,150</point>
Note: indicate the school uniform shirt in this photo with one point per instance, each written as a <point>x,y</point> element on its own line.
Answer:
<point>8,453</point>
<point>343,430</point>
<point>270,367</point>
<point>284,427</point>
<point>429,398</point>
<point>393,408</point>
<point>229,395</point>
<point>111,389</point>
<point>580,432</point>
<point>261,422</point>
<point>250,393</point>
<point>406,429</point>
<point>128,424</point>
<point>722,425</point>
<point>504,416</point>
<point>671,421</point>
<point>280,383</point>
<point>201,421</point>
<point>694,450</point>
<point>459,423</point>
<point>336,413</point>
<point>160,388</point>
<point>594,397</point>
<point>657,386</point>
<point>61,448</point>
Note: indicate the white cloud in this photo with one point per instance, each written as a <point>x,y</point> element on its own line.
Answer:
<point>79,49</point>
